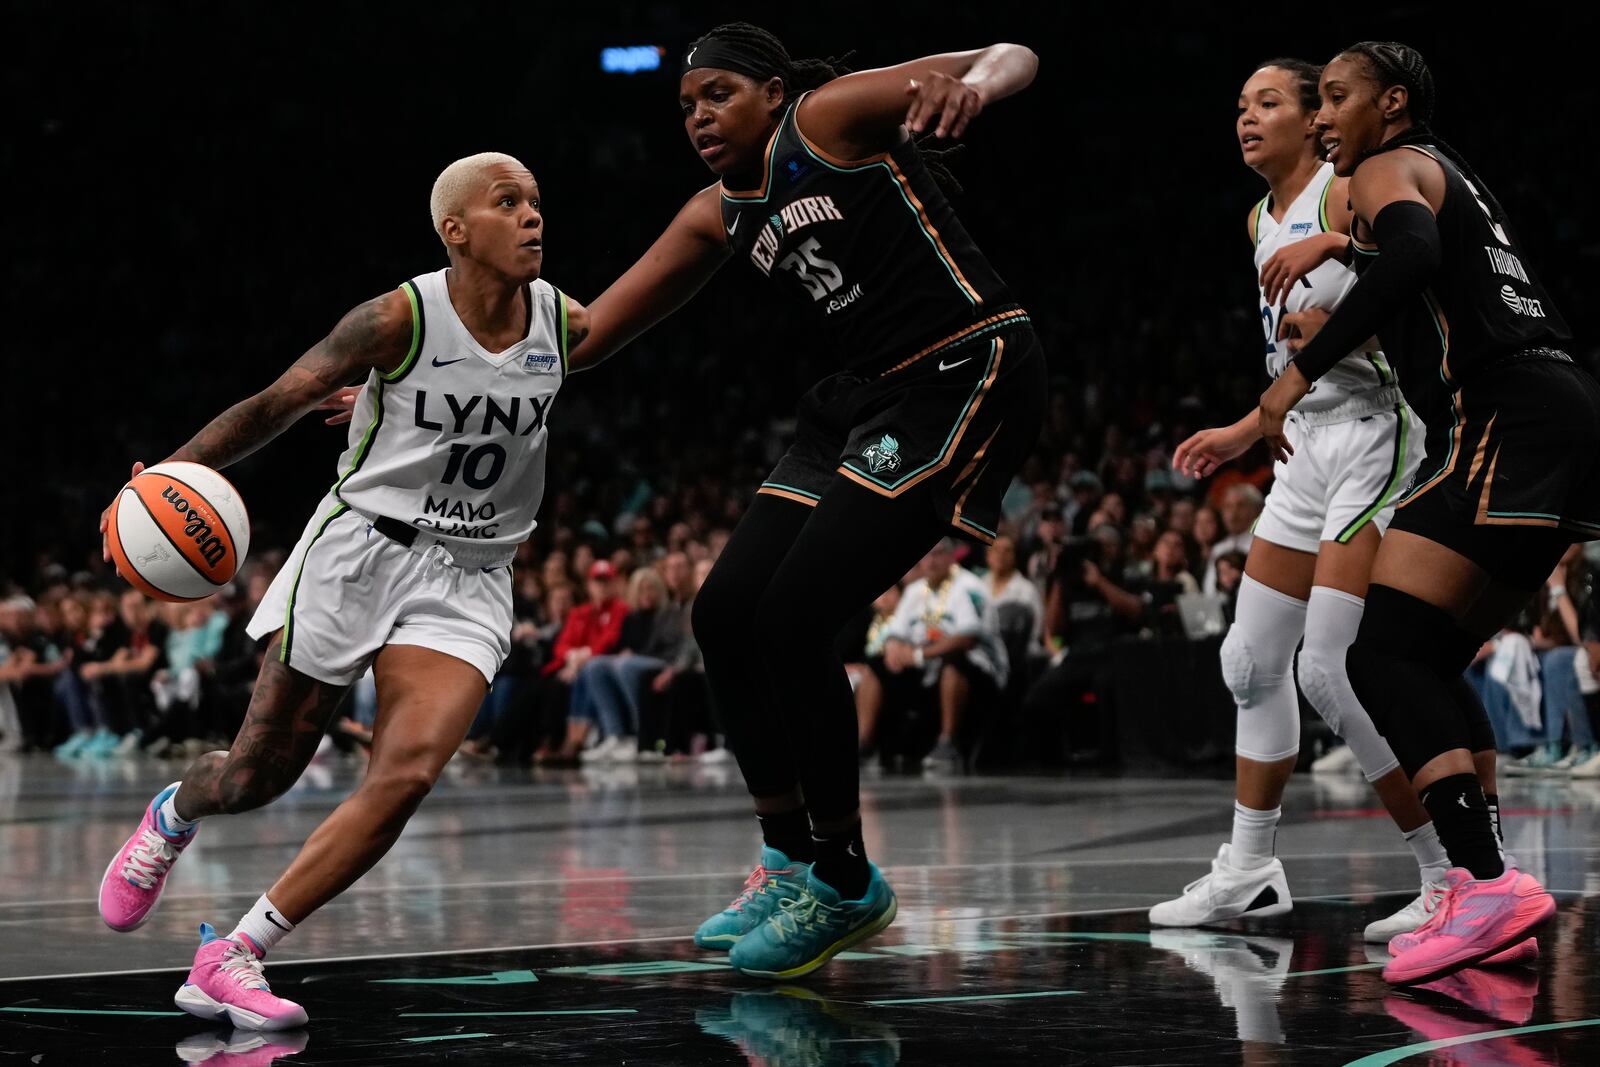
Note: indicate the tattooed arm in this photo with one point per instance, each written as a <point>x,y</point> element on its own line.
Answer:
<point>376,334</point>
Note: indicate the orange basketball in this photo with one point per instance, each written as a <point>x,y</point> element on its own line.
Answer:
<point>178,531</point>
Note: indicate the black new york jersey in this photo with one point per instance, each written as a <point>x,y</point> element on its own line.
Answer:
<point>872,245</point>
<point>1484,303</point>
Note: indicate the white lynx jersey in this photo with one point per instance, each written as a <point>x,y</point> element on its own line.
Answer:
<point>1363,371</point>
<point>453,440</point>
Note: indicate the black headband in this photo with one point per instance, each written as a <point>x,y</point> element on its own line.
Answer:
<point>725,55</point>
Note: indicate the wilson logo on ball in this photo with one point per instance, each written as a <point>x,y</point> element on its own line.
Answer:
<point>197,526</point>
<point>178,531</point>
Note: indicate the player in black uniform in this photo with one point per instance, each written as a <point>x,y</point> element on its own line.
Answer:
<point>1509,480</point>
<point>940,394</point>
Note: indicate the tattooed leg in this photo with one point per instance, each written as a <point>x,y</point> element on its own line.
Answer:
<point>288,715</point>
<point>426,702</point>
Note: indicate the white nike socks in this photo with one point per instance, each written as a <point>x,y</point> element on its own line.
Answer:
<point>170,822</point>
<point>1431,857</point>
<point>264,925</point>
<point>1255,835</point>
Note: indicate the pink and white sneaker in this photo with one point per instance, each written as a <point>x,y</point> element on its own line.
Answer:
<point>1475,921</point>
<point>227,981</point>
<point>131,887</point>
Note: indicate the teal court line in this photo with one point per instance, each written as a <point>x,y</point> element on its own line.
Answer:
<point>1335,970</point>
<point>1395,1055</point>
<point>510,1014</point>
<point>87,1011</point>
<point>446,1037</point>
<point>989,996</point>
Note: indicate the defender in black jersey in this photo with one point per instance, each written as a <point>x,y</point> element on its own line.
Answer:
<point>939,395</point>
<point>1511,475</point>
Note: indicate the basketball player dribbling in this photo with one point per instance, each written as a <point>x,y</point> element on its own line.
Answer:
<point>1357,445</point>
<point>940,397</point>
<point>405,567</point>
<point>1511,476</point>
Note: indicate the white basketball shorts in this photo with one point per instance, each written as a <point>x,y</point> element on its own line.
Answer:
<point>347,590</point>
<point>1342,476</point>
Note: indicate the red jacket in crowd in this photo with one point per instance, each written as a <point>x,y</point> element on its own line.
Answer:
<point>596,627</point>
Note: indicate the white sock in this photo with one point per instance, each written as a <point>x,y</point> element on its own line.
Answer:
<point>1431,857</point>
<point>1255,834</point>
<point>171,822</point>
<point>264,925</point>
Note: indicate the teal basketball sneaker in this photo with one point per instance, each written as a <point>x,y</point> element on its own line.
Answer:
<point>810,929</point>
<point>776,878</point>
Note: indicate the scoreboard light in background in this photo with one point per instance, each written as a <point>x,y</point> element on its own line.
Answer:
<point>631,59</point>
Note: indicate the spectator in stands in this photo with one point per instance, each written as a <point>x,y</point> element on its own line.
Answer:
<point>681,705</point>
<point>194,637</point>
<point>122,680</point>
<point>1227,573</point>
<point>867,666</point>
<point>15,664</point>
<point>1204,533</point>
<point>85,716</point>
<point>541,721</point>
<point>944,638</point>
<point>1009,587</point>
<point>610,687</point>
<point>1555,639</point>
<point>1241,506</point>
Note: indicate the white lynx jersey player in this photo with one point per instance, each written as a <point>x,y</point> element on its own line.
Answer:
<point>453,440</point>
<point>1359,375</point>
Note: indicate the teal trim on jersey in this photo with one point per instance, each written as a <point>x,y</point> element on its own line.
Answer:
<point>1397,471</point>
<point>790,489</point>
<point>1436,316</point>
<point>981,529</point>
<point>994,351</point>
<point>1255,220</point>
<point>1449,459</point>
<point>410,289</point>
<point>772,150</point>
<point>933,241</point>
<point>288,612</point>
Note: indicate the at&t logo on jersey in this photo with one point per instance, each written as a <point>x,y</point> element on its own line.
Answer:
<point>883,456</point>
<point>541,362</point>
<point>1522,305</point>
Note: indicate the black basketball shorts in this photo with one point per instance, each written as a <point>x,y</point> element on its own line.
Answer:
<point>960,416</point>
<point>1512,473</point>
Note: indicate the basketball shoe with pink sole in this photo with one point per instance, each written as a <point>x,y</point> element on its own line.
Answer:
<point>227,982</point>
<point>1476,920</point>
<point>131,886</point>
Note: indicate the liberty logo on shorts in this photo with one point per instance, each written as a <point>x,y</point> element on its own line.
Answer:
<point>541,362</point>
<point>883,456</point>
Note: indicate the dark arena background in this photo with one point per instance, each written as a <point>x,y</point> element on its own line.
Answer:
<point>199,192</point>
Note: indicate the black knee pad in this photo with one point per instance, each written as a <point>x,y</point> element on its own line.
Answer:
<point>1480,734</point>
<point>1401,669</point>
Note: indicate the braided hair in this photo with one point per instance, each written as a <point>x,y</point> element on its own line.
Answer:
<point>1306,77</point>
<point>767,53</point>
<point>1393,63</point>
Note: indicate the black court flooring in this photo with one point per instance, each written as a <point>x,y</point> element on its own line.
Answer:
<point>1021,936</point>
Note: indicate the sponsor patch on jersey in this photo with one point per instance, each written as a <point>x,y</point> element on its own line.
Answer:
<point>1522,305</point>
<point>796,168</point>
<point>1300,229</point>
<point>542,362</point>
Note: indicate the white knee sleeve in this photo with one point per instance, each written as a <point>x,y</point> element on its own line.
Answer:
<point>1331,623</point>
<point>1257,656</point>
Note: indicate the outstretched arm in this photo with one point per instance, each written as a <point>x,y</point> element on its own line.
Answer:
<point>1392,191</point>
<point>862,114</point>
<point>681,261</point>
<point>375,334</point>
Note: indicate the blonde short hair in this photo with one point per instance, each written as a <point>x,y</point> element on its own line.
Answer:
<point>460,180</point>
